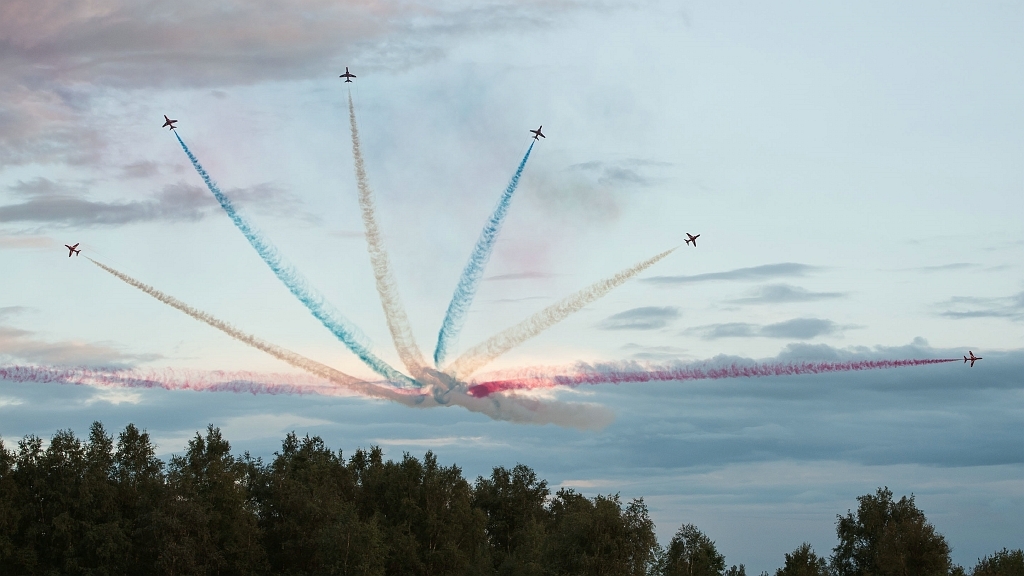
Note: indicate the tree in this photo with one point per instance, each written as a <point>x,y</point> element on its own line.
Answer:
<point>141,491</point>
<point>691,553</point>
<point>888,538</point>
<point>207,525</point>
<point>596,537</point>
<point>1002,563</point>
<point>803,562</point>
<point>9,508</point>
<point>513,502</point>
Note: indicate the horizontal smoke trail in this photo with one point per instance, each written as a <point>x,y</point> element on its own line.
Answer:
<point>398,322</point>
<point>617,375</point>
<point>296,360</point>
<point>575,415</point>
<point>169,379</point>
<point>470,280</point>
<point>315,303</point>
<point>481,354</point>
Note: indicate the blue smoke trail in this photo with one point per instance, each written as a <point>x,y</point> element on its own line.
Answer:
<point>296,284</point>
<point>474,271</point>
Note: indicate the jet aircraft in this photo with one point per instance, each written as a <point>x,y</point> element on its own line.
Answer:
<point>169,122</point>
<point>73,249</point>
<point>348,76</point>
<point>692,238</point>
<point>537,134</point>
<point>973,358</point>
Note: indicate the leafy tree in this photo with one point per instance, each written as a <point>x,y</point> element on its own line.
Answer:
<point>1002,563</point>
<point>885,537</point>
<point>597,536</point>
<point>803,562</point>
<point>513,501</point>
<point>9,509</point>
<point>734,570</point>
<point>692,553</point>
<point>139,477</point>
<point>308,513</point>
<point>207,525</point>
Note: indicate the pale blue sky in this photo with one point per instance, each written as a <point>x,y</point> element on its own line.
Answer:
<point>855,173</point>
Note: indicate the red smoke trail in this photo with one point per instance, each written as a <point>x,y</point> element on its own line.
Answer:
<point>168,379</point>
<point>613,375</point>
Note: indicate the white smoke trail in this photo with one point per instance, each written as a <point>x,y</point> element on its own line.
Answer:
<point>296,360</point>
<point>481,354</point>
<point>398,322</point>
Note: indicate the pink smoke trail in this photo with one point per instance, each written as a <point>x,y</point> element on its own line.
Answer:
<point>616,375</point>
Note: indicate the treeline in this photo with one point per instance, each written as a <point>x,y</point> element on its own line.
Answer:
<point>102,506</point>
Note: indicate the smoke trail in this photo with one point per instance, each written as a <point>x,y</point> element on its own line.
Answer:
<point>398,322</point>
<point>170,379</point>
<point>474,271</point>
<point>612,374</point>
<point>288,356</point>
<point>315,303</point>
<point>481,354</point>
<point>520,410</point>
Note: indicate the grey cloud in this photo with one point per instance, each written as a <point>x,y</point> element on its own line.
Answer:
<point>65,206</point>
<point>945,267</point>
<point>784,293</point>
<point>25,242</point>
<point>797,328</point>
<point>962,307</point>
<point>653,353</point>
<point>141,169</point>
<point>780,270</point>
<point>56,55</point>
<point>23,346</point>
<point>621,173</point>
<point>520,276</point>
<point>643,318</point>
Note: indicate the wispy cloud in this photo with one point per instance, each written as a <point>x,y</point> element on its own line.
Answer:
<point>68,205</point>
<point>25,242</point>
<point>795,329</point>
<point>961,307</point>
<point>767,271</point>
<point>785,293</point>
<point>631,172</point>
<point>58,56</point>
<point>643,318</point>
<point>519,276</point>
<point>24,346</point>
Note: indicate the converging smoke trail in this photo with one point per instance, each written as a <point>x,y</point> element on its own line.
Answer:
<point>296,360</point>
<point>470,280</point>
<point>481,354</point>
<point>619,375</point>
<point>315,303</point>
<point>398,322</point>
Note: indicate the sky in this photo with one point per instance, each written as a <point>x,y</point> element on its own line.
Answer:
<point>854,172</point>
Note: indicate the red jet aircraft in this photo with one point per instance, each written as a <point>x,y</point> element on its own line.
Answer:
<point>973,358</point>
<point>537,135</point>
<point>72,250</point>
<point>348,76</point>
<point>692,238</point>
<point>169,122</point>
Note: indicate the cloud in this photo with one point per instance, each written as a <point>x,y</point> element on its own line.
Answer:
<point>962,307</point>
<point>621,173</point>
<point>780,270</point>
<point>784,293</point>
<point>17,345</point>
<point>643,318</point>
<point>519,276</point>
<point>141,169</point>
<point>654,353</point>
<point>25,242</point>
<point>797,328</point>
<point>53,203</point>
<point>58,57</point>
